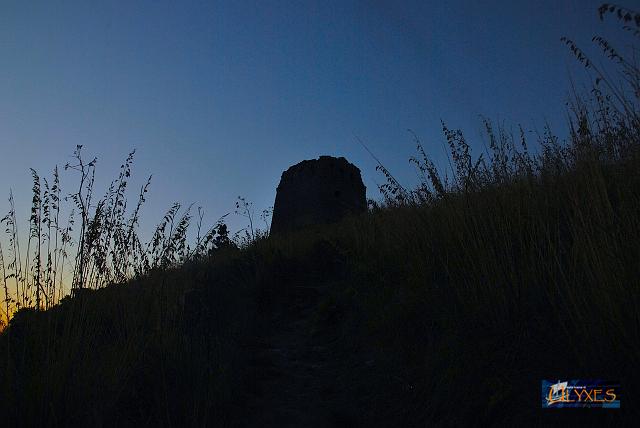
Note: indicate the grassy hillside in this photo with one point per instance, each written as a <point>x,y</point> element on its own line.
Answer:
<point>454,312</point>
<point>443,305</point>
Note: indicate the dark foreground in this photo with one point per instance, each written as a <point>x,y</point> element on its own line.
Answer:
<point>444,314</point>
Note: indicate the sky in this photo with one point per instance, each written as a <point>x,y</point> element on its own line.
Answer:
<point>219,98</point>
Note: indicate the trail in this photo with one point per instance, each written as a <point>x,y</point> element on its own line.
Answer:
<point>297,377</point>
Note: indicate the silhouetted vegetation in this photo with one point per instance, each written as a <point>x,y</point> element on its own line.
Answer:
<point>444,305</point>
<point>108,249</point>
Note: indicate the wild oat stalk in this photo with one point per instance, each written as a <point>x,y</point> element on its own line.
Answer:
<point>14,243</point>
<point>156,248</point>
<point>7,299</point>
<point>55,208</point>
<point>46,220</point>
<point>82,200</point>
<point>35,232</point>
<point>131,242</point>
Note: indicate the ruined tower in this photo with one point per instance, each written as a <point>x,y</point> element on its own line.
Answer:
<point>317,191</point>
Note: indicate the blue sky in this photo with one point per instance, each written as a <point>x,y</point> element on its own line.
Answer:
<point>218,98</point>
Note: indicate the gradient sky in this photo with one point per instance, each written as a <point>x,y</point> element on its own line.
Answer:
<point>219,98</point>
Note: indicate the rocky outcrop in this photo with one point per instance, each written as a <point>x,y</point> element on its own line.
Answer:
<point>317,191</point>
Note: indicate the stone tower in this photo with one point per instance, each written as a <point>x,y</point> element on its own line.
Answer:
<point>317,191</point>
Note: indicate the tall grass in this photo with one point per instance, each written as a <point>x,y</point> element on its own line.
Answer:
<point>136,330</point>
<point>511,267</point>
<point>100,242</point>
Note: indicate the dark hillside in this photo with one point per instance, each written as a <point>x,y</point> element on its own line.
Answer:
<point>443,305</point>
<point>446,314</point>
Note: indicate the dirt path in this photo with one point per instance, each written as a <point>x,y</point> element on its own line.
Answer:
<point>296,379</point>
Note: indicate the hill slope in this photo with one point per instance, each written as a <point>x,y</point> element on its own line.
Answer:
<point>448,313</point>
